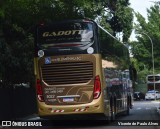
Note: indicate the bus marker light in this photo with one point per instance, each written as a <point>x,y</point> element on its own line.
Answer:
<point>40,53</point>
<point>90,50</point>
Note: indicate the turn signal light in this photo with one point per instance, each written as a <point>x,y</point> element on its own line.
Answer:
<point>97,87</point>
<point>39,91</point>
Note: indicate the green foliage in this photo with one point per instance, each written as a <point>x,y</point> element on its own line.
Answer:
<point>122,20</point>
<point>142,49</point>
<point>16,60</point>
<point>18,19</point>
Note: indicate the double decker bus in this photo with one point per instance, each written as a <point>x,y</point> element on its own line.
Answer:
<point>71,79</point>
<point>153,82</point>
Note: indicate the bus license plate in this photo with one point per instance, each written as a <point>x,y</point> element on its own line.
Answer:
<point>68,99</point>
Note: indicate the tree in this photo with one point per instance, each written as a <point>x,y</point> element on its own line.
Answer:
<point>122,18</point>
<point>18,19</point>
<point>151,27</point>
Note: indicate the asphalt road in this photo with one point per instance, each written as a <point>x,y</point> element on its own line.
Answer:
<point>143,116</point>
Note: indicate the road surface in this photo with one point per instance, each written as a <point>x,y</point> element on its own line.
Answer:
<point>143,116</point>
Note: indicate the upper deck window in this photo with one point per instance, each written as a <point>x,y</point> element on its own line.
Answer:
<point>152,78</point>
<point>65,34</point>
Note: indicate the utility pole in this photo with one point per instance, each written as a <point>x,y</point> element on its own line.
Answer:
<point>153,71</point>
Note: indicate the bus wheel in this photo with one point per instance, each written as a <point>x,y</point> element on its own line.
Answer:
<point>128,106</point>
<point>127,111</point>
<point>113,109</point>
<point>108,120</point>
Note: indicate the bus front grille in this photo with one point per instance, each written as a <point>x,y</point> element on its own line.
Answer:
<point>67,73</point>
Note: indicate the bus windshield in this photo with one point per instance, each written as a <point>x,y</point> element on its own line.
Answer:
<point>69,34</point>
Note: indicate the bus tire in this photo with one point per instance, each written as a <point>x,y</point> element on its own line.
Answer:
<point>108,119</point>
<point>127,111</point>
<point>130,102</point>
<point>112,106</point>
<point>128,106</point>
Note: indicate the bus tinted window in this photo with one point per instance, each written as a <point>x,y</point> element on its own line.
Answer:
<point>50,36</point>
<point>151,78</point>
<point>114,50</point>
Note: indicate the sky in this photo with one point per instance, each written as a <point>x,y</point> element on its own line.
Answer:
<point>141,7</point>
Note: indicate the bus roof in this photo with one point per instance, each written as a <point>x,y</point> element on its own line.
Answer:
<point>153,75</point>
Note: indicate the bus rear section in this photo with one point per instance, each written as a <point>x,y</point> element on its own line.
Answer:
<point>69,85</point>
<point>68,69</point>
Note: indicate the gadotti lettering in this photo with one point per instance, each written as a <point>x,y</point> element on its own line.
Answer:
<point>61,33</point>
